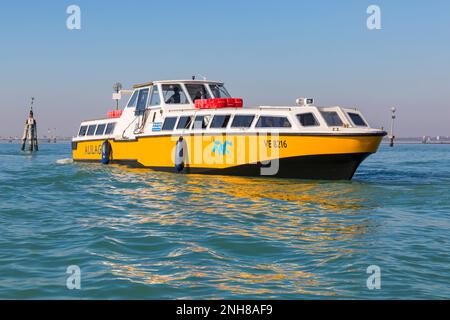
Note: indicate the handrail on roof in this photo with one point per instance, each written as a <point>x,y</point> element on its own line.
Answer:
<point>276,108</point>
<point>140,85</point>
<point>147,84</point>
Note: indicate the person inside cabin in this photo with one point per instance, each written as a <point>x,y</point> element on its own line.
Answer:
<point>175,98</point>
<point>199,95</point>
<point>269,122</point>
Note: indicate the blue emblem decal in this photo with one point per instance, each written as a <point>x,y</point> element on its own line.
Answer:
<point>156,126</point>
<point>221,148</point>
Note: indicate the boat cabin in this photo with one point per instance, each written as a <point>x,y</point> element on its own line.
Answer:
<point>201,106</point>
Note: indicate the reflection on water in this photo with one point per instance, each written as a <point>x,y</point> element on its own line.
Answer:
<point>238,235</point>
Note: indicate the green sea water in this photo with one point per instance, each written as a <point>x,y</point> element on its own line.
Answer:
<point>138,234</point>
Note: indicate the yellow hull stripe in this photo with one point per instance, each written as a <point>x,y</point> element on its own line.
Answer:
<point>220,151</point>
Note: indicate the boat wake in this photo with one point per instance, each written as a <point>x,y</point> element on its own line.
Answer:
<point>64,161</point>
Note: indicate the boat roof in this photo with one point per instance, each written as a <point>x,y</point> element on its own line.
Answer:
<point>147,84</point>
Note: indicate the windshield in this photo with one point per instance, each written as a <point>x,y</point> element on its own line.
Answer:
<point>174,94</point>
<point>219,91</point>
<point>197,91</point>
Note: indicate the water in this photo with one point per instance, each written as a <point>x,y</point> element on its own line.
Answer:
<point>146,235</point>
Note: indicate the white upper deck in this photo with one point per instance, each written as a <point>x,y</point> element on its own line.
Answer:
<point>168,107</point>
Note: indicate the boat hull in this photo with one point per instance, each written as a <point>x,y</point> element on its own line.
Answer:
<point>321,167</point>
<point>325,157</point>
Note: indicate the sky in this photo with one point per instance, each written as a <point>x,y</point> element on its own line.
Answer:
<point>267,52</point>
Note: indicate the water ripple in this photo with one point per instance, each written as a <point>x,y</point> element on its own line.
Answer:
<point>148,235</point>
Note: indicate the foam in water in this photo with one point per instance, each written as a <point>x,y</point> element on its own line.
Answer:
<point>64,161</point>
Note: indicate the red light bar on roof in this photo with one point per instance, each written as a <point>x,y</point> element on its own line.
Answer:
<point>217,103</point>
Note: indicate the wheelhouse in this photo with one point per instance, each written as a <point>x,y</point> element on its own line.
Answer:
<point>175,94</point>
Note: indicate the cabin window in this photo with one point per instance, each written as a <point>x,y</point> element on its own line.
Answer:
<point>332,118</point>
<point>184,122</point>
<point>154,99</point>
<point>110,128</point>
<point>100,129</point>
<point>308,120</point>
<point>82,131</point>
<point>142,101</point>
<point>197,91</point>
<point>220,121</point>
<point>273,122</point>
<point>91,130</point>
<point>169,123</point>
<point>174,94</point>
<point>201,122</point>
<point>243,121</point>
<point>219,91</point>
<point>133,99</point>
<point>357,119</point>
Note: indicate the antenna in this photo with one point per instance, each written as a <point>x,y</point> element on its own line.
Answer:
<point>204,78</point>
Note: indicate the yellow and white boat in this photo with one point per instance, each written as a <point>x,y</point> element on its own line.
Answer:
<point>195,126</point>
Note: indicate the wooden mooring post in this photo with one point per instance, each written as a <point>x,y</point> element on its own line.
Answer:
<point>30,132</point>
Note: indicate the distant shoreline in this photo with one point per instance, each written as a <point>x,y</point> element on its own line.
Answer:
<point>68,140</point>
<point>416,142</point>
<point>40,140</point>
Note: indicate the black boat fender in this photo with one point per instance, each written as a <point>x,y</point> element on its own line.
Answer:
<point>179,155</point>
<point>106,152</point>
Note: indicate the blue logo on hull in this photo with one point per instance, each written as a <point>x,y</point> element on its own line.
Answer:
<point>221,148</point>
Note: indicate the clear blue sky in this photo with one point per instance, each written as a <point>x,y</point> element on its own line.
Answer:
<point>268,52</point>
